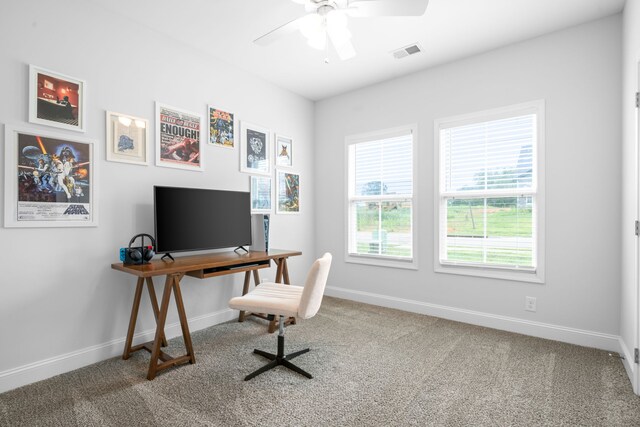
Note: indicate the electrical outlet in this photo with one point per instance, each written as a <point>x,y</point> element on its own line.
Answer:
<point>530,303</point>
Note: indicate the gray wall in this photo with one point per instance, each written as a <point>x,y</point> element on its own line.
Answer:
<point>577,73</point>
<point>59,294</point>
<point>629,298</point>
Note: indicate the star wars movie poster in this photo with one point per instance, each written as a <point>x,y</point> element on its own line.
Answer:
<point>221,130</point>
<point>179,139</point>
<point>54,179</point>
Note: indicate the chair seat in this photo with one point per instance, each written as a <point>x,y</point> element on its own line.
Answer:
<point>270,298</point>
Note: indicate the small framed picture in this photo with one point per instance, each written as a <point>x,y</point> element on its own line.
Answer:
<point>255,149</point>
<point>221,128</point>
<point>284,151</point>
<point>178,143</point>
<point>260,194</point>
<point>56,99</point>
<point>288,193</point>
<point>50,180</point>
<point>127,139</point>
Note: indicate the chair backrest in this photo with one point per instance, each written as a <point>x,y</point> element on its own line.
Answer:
<point>314,287</point>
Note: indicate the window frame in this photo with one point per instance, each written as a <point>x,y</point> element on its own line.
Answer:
<point>496,272</point>
<point>382,260</point>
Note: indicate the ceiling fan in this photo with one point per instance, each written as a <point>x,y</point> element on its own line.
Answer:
<point>326,21</point>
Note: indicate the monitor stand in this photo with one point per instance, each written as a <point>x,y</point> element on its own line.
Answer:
<point>240,248</point>
<point>167,255</point>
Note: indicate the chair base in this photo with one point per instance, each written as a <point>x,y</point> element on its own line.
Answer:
<point>279,360</point>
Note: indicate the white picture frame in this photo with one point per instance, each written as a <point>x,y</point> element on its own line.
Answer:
<point>255,149</point>
<point>127,139</point>
<point>50,179</point>
<point>222,128</point>
<point>51,99</point>
<point>287,192</point>
<point>178,138</point>
<point>283,151</point>
<point>261,188</point>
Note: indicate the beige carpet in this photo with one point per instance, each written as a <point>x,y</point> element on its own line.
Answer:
<point>372,367</point>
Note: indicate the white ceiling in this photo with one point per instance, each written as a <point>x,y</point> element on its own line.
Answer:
<point>449,30</point>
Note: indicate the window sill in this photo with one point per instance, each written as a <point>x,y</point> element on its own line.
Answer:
<point>491,273</point>
<point>382,261</point>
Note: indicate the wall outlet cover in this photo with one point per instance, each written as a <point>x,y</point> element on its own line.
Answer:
<point>530,303</point>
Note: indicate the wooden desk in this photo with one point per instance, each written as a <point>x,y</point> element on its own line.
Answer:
<point>202,267</point>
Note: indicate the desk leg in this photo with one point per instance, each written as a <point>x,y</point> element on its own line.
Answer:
<point>133,318</point>
<point>285,272</point>
<point>171,284</point>
<point>245,289</point>
<point>279,263</point>
<point>183,318</point>
<point>162,318</point>
<point>154,305</point>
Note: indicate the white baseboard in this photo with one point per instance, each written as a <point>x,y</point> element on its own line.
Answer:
<point>526,327</point>
<point>629,365</point>
<point>27,374</point>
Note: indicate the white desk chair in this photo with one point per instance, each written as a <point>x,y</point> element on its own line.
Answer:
<point>286,301</point>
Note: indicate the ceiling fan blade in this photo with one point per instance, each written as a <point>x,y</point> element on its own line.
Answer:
<point>366,8</point>
<point>281,31</point>
<point>343,47</point>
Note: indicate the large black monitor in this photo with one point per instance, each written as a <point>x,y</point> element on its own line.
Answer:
<point>194,219</point>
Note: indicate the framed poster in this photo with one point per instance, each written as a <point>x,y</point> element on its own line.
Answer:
<point>221,128</point>
<point>288,196</point>
<point>284,151</point>
<point>260,194</point>
<point>178,143</point>
<point>127,139</point>
<point>55,99</point>
<point>255,149</point>
<point>50,180</point>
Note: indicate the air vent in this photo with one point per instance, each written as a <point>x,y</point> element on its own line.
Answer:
<point>406,51</point>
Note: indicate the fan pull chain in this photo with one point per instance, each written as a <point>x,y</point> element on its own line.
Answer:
<point>326,44</point>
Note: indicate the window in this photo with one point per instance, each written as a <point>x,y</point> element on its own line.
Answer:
<point>490,199</point>
<point>381,203</point>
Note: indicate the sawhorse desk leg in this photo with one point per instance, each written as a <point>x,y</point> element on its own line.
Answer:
<point>282,272</point>
<point>172,284</point>
<point>134,314</point>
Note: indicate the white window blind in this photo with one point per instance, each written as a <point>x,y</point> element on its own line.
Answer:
<point>488,193</point>
<point>380,217</point>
